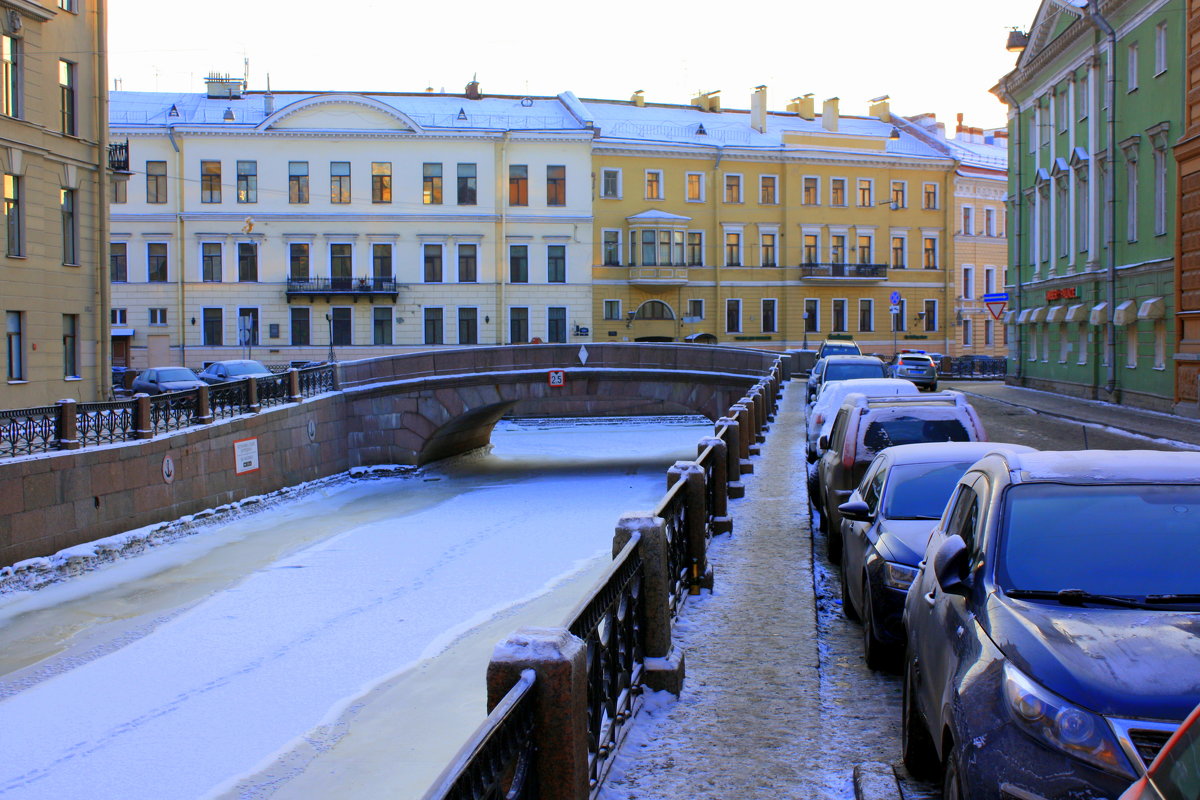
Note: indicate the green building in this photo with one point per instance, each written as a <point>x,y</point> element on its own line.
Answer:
<point>1095,106</point>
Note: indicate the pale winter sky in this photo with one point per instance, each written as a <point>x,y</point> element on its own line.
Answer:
<point>929,55</point>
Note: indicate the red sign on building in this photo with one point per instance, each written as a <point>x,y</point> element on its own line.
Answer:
<point>1061,294</point>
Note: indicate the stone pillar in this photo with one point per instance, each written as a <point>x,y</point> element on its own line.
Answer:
<point>759,395</point>
<point>143,427</point>
<point>733,454</point>
<point>560,703</point>
<point>293,383</point>
<point>744,409</point>
<point>700,576</point>
<point>664,663</point>
<point>203,406</point>
<point>68,424</point>
<point>337,377</point>
<point>722,522</point>
<point>252,395</point>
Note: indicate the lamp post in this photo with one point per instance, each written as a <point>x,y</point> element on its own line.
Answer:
<point>805,345</point>
<point>329,319</point>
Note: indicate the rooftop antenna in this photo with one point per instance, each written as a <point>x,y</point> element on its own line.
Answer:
<point>245,72</point>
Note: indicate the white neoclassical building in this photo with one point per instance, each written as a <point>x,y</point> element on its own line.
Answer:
<point>296,225</point>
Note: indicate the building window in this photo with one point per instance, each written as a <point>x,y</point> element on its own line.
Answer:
<point>899,254</point>
<point>611,248</point>
<point>119,316</point>
<point>1131,68</point>
<point>838,323</point>
<point>468,269</point>
<point>612,309</point>
<point>518,263</point>
<point>518,325</point>
<point>247,326</point>
<point>247,262</point>
<point>812,248</point>
<point>1160,48</point>
<point>733,188</point>
<point>899,194</point>
<point>467,184</point>
<point>298,182</point>
<point>213,327</point>
<point>16,347</point>
<point>610,183</point>
<point>930,251</point>
<point>433,263</point>
<point>556,185</point>
<point>1063,223</point>
<point>298,261</point>
<point>156,181</point>
<point>837,191</point>
<point>658,248</point>
<point>301,326</point>
<point>767,245</point>
<point>341,265</point>
<point>66,92</point>
<point>929,196</point>
<point>69,234</point>
<point>381,183</point>
<point>518,185</point>
<point>68,5</point>
<point>733,249</point>
<point>989,333</point>
<point>431,185</point>
<point>695,187</point>
<point>556,263</point>
<point>210,262</point>
<point>1160,344</point>
<point>654,184</point>
<point>118,262</point>
<point>339,182</point>
<point>966,333</point>
<point>1160,191</point>
<point>837,249</point>
<point>468,326</point>
<point>695,310</point>
<point>769,324</point>
<point>158,316</point>
<point>11,65</point>
<point>381,325</point>
<point>866,246</point>
<point>930,317</point>
<point>989,222</point>
<point>811,195</point>
<point>968,221</point>
<point>70,340</point>
<point>812,315</point>
<point>343,325</point>
<point>118,192</point>
<point>866,315</point>
<point>968,283</point>
<point>210,181</point>
<point>866,192</point>
<point>898,321</point>
<point>556,324</point>
<point>695,248</point>
<point>247,181</point>
<point>381,263</point>
<point>766,190</point>
<point>1131,200</point>
<point>156,262</point>
<point>733,315</point>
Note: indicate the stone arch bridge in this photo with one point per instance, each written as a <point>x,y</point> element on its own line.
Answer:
<point>420,407</point>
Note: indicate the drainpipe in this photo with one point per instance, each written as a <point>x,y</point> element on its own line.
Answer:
<point>103,281</point>
<point>1015,218</point>
<point>719,190</point>
<point>502,238</point>
<point>180,291</point>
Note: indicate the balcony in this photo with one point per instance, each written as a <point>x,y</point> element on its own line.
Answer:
<point>340,288</point>
<point>649,277</point>
<point>840,272</point>
<point>118,159</point>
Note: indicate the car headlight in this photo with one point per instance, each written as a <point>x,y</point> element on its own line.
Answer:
<point>898,576</point>
<point>1062,725</point>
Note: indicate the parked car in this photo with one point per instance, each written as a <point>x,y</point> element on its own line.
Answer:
<point>158,380</point>
<point>865,425</point>
<point>1175,773</point>
<point>840,368</point>
<point>916,367</point>
<point>1052,642</point>
<point>222,371</point>
<point>838,347</point>
<point>829,399</point>
<point>885,525</point>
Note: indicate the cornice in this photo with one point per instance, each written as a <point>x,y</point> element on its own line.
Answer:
<point>29,9</point>
<point>889,161</point>
<point>161,132</point>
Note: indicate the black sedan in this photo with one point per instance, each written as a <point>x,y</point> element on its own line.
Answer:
<point>885,525</point>
<point>234,370</point>
<point>1054,626</point>
<point>159,380</point>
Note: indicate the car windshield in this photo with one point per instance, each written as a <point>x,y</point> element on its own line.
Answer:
<point>920,491</point>
<point>844,372</point>
<point>245,368</point>
<point>177,374</point>
<point>839,349</point>
<point>1129,541</point>
<point>911,361</point>
<point>907,429</point>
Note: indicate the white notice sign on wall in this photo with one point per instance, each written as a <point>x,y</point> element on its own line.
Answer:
<point>245,455</point>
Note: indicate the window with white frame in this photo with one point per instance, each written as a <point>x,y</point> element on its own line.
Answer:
<point>866,192</point>
<point>695,187</point>
<point>769,320</point>
<point>899,252</point>
<point>812,315</point>
<point>930,316</point>
<point>1160,48</point>
<point>1160,344</point>
<point>837,191</point>
<point>838,322</point>
<point>1081,96</point>
<point>610,248</point>
<point>767,249</point>
<point>733,315</point>
<point>1063,209</point>
<point>1131,67</point>
<point>733,249</point>
<point>1082,210</point>
<point>900,194</point>
<point>989,280</point>
<point>968,221</point>
<point>866,248</point>
<point>930,252</point>
<point>929,196</point>
<point>1060,109</point>
<point>610,183</point>
<point>695,309</point>
<point>652,247</point>
<point>612,309</point>
<point>695,248</point>
<point>812,248</point>
<point>866,315</point>
<point>968,282</point>
<point>1160,191</point>
<point>837,248</point>
<point>70,335</point>
<point>16,345</point>
<point>1131,197</point>
<point>989,333</point>
<point>966,332</point>
<point>1131,346</point>
<point>654,184</point>
<point>733,188</point>
<point>158,316</point>
<point>768,188</point>
<point>811,193</point>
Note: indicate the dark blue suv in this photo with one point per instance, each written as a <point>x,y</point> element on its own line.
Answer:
<point>1053,628</point>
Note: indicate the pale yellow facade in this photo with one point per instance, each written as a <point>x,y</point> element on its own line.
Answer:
<point>980,259</point>
<point>53,160</point>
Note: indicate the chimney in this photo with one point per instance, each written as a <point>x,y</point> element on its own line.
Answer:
<point>881,108</point>
<point>802,106</point>
<point>708,101</point>
<point>758,109</point>
<point>222,86</point>
<point>829,114</point>
<point>958,128</point>
<point>637,99</point>
<point>473,90</point>
<point>268,104</point>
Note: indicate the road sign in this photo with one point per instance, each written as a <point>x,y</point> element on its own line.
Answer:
<point>895,309</point>
<point>895,298</point>
<point>996,303</point>
<point>556,377</point>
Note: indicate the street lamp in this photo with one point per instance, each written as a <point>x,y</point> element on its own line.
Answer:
<point>805,317</point>
<point>329,319</point>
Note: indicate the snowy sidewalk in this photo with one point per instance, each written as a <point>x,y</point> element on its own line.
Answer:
<point>775,703</point>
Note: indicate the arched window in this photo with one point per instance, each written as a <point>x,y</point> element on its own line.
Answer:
<point>655,309</point>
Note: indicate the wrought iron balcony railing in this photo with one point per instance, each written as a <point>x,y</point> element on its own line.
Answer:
<point>368,286</point>
<point>859,271</point>
<point>118,156</point>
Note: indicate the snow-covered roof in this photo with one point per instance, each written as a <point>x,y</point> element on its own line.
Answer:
<point>1109,466</point>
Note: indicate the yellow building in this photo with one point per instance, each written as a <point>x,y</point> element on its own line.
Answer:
<point>769,229</point>
<point>53,160</point>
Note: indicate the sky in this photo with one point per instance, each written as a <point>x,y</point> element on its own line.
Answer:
<point>937,56</point>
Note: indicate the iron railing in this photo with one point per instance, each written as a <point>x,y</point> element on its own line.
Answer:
<point>316,380</point>
<point>28,430</point>
<point>106,423</point>
<point>973,367</point>
<point>170,412</point>
<point>874,271</point>
<point>228,399</point>
<point>347,285</point>
<point>118,156</point>
<point>272,391</point>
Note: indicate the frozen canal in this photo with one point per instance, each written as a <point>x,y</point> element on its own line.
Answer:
<point>333,645</point>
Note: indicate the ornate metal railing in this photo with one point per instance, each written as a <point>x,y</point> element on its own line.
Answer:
<point>317,380</point>
<point>272,391</point>
<point>28,430</point>
<point>105,423</point>
<point>876,271</point>
<point>497,762</point>
<point>347,285</point>
<point>673,510</point>
<point>973,367</point>
<point>118,156</point>
<point>170,412</point>
<point>610,622</point>
<point>228,399</point>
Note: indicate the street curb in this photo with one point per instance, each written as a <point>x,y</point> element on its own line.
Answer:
<point>874,780</point>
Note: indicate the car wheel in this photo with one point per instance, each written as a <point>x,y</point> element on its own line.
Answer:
<point>916,746</point>
<point>879,655</point>
<point>952,781</point>
<point>847,604</point>
<point>933,388</point>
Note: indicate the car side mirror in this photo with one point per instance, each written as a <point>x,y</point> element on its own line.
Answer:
<point>951,565</point>
<point>855,510</point>
<point>823,442</point>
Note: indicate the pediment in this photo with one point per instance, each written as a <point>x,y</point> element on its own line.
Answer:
<point>339,113</point>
